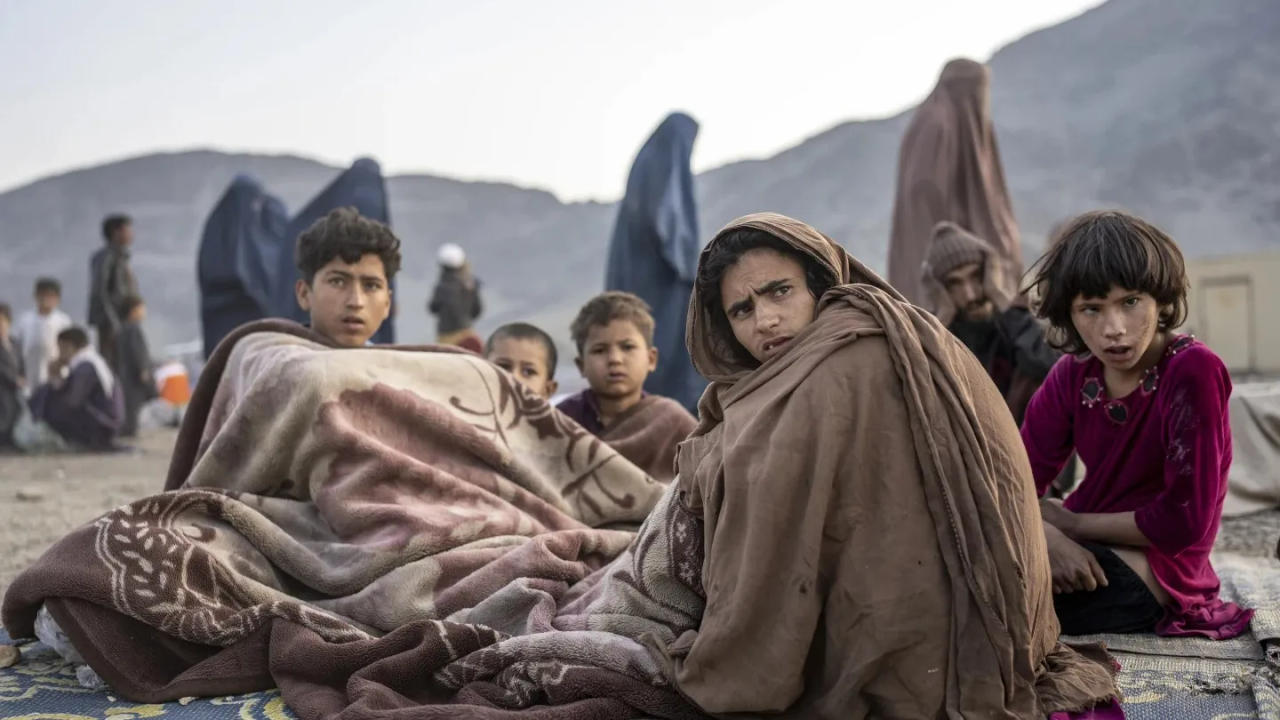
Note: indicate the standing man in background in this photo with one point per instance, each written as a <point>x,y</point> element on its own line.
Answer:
<point>111,281</point>
<point>456,300</point>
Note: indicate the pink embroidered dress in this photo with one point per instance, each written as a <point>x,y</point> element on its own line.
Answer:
<point>1162,452</point>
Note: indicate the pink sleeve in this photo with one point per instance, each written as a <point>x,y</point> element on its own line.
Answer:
<point>1047,425</point>
<point>1197,440</point>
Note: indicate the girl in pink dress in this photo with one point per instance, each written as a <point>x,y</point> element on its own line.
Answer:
<point>1146,409</point>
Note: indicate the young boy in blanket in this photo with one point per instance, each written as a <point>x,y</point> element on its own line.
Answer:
<point>1146,409</point>
<point>614,337</point>
<point>528,353</point>
<point>346,262</point>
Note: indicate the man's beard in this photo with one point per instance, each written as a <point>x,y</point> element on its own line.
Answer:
<point>980,311</point>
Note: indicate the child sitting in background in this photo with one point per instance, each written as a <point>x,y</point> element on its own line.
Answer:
<point>613,334</point>
<point>133,363</point>
<point>36,332</point>
<point>526,352</point>
<point>82,402</point>
<point>1146,409</point>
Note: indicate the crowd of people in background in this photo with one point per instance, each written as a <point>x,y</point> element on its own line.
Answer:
<point>57,392</point>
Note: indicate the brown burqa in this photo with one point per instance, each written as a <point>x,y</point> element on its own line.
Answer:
<point>873,546</point>
<point>949,169</point>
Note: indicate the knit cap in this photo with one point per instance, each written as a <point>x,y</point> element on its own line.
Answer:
<point>951,247</point>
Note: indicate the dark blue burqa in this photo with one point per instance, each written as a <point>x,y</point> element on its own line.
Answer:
<point>360,186</point>
<point>654,250</point>
<point>240,250</point>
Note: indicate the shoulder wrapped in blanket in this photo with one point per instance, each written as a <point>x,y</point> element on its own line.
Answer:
<point>649,434</point>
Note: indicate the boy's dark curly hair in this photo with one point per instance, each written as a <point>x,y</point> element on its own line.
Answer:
<point>345,233</point>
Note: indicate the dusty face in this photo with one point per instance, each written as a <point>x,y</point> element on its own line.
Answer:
<point>138,314</point>
<point>47,302</point>
<point>616,359</point>
<point>5,327</point>
<point>1118,329</point>
<point>968,293</point>
<point>767,301</point>
<point>527,360</point>
<point>348,301</point>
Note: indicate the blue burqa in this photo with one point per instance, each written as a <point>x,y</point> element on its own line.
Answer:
<point>654,250</point>
<point>360,186</point>
<point>240,250</point>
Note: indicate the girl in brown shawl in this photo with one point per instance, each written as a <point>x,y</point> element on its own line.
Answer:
<point>872,542</point>
<point>949,169</point>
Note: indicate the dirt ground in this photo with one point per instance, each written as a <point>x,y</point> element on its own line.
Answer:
<point>44,497</point>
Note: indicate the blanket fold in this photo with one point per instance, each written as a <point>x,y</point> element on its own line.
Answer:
<point>649,433</point>
<point>322,505</point>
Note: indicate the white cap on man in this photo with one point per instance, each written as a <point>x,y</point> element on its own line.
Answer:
<point>451,256</point>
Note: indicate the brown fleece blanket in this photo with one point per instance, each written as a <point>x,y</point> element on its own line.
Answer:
<point>370,529</point>
<point>872,541</point>
<point>649,433</point>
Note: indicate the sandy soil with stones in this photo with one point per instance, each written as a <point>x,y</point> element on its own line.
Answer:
<point>45,496</point>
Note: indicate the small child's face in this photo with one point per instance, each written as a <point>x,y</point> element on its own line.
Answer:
<point>47,302</point>
<point>5,327</point>
<point>1119,328</point>
<point>66,351</point>
<point>138,313</point>
<point>526,359</point>
<point>348,302</point>
<point>616,359</point>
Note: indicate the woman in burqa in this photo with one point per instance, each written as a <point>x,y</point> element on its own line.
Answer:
<point>871,536</point>
<point>654,250</point>
<point>949,169</point>
<point>239,254</point>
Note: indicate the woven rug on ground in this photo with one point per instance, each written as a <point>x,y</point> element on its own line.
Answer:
<point>1167,678</point>
<point>1250,581</point>
<point>43,685</point>
<point>1177,688</point>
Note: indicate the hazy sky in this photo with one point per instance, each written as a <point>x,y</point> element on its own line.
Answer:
<point>557,94</point>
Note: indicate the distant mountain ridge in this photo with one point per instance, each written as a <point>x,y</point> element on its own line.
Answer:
<point>1166,107</point>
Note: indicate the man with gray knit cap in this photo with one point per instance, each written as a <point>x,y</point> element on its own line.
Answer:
<point>958,276</point>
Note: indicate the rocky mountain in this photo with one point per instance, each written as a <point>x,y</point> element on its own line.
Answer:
<point>1165,107</point>
<point>1168,108</point>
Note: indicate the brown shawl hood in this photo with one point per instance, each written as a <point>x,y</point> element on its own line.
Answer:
<point>949,169</point>
<point>711,355</point>
<point>872,540</point>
